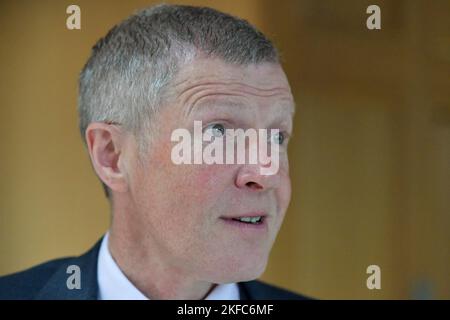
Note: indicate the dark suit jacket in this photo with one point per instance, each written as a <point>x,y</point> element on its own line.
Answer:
<point>48,282</point>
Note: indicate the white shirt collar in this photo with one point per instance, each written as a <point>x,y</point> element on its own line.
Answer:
<point>114,285</point>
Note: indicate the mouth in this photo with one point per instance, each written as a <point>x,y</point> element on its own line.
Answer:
<point>248,221</point>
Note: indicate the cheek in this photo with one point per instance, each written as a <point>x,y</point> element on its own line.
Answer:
<point>284,191</point>
<point>204,184</point>
<point>189,188</point>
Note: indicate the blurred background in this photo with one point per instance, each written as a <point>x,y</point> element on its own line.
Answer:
<point>370,157</point>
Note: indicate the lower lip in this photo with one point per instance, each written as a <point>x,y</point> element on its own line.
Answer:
<point>262,226</point>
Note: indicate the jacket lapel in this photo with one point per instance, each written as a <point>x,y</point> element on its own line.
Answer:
<point>56,287</point>
<point>244,293</point>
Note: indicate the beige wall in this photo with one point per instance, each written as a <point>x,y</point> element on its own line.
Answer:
<point>370,155</point>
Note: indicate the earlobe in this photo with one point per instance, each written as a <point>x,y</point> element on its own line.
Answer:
<point>104,146</point>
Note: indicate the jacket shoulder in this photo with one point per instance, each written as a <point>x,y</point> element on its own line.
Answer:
<point>48,281</point>
<point>26,284</point>
<point>259,290</point>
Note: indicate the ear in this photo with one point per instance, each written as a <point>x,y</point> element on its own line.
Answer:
<point>104,143</point>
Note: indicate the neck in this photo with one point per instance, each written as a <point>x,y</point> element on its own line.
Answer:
<point>149,271</point>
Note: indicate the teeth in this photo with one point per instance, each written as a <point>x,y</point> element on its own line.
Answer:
<point>250,219</point>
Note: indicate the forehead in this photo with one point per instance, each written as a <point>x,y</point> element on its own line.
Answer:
<point>214,77</point>
<point>264,75</point>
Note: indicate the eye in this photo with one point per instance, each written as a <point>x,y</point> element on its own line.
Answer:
<point>217,130</point>
<point>278,138</point>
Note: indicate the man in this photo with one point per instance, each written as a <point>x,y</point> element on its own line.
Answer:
<point>178,231</point>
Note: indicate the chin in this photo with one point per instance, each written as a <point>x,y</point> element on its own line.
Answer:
<point>245,270</point>
<point>252,274</point>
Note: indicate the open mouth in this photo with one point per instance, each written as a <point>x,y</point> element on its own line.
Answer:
<point>247,221</point>
<point>249,224</point>
<point>250,220</point>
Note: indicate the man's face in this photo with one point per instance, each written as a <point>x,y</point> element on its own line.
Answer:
<point>183,212</point>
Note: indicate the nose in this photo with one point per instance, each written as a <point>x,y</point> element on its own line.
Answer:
<point>249,177</point>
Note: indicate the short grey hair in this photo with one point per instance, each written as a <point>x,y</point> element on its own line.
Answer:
<point>125,79</point>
